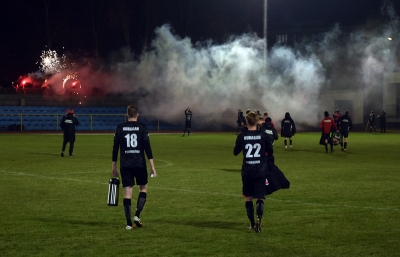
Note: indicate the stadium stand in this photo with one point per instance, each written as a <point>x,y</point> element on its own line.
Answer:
<point>36,118</point>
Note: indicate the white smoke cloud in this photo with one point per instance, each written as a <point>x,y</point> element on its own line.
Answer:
<point>216,80</point>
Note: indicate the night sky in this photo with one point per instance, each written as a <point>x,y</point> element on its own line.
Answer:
<point>95,28</point>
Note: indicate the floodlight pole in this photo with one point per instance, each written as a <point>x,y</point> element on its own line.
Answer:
<point>265,32</point>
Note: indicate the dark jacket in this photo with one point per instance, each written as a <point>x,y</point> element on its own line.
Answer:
<point>288,128</point>
<point>268,128</point>
<point>68,124</point>
<point>345,123</point>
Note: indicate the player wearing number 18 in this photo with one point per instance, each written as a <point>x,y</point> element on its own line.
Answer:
<point>132,138</point>
<point>257,149</point>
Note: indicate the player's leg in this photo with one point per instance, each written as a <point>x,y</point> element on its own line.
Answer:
<point>291,141</point>
<point>326,142</point>
<point>63,147</point>
<point>250,211</point>
<point>259,195</point>
<point>141,180</point>
<point>248,191</point>
<point>71,147</point>
<point>127,183</point>
<point>285,141</point>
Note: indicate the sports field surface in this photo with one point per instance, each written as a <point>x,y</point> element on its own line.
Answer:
<point>339,204</point>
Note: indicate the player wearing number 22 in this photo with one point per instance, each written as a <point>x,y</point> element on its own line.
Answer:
<point>257,149</point>
<point>132,138</point>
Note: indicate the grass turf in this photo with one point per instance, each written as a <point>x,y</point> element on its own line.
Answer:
<point>340,204</point>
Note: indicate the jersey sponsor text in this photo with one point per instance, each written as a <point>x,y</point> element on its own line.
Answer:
<point>252,137</point>
<point>130,128</point>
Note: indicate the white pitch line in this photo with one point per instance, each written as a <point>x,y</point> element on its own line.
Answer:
<point>206,193</point>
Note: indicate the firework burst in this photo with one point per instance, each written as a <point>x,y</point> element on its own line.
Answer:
<point>50,62</point>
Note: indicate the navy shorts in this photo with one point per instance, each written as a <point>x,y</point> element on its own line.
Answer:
<point>345,133</point>
<point>254,187</point>
<point>134,176</point>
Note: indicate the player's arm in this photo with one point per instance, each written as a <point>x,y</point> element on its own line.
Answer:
<point>334,125</point>
<point>238,145</point>
<point>149,152</point>
<point>114,171</point>
<point>153,169</point>
<point>62,122</point>
<point>293,128</point>
<point>76,121</point>
<point>275,133</point>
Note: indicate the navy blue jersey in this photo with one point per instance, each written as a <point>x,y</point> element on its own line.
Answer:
<point>188,116</point>
<point>268,128</point>
<point>371,119</point>
<point>254,144</point>
<point>288,127</point>
<point>345,123</point>
<point>68,124</point>
<point>132,138</point>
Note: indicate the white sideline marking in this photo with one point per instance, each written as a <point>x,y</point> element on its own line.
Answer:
<point>201,192</point>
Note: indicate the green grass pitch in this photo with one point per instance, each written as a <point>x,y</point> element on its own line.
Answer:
<point>340,204</point>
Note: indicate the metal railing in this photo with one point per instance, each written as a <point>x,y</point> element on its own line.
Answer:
<point>88,122</point>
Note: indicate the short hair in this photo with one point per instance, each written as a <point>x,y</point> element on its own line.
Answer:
<point>265,113</point>
<point>248,111</point>
<point>252,118</point>
<point>326,114</point>
<point>268,119</point>
<point>132,111</point>
<point>346,112</point>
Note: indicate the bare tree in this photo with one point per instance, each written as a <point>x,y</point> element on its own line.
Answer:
<point>49,18</point>
<point>121,18</point>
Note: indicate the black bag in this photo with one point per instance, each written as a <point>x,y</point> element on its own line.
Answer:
<point>276,180</point>
<point>113,192</point>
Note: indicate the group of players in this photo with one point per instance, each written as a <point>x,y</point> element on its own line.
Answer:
<point>334,130</point>
<point>260,175</point>
<point>341,124</point>
<point>288,127</point>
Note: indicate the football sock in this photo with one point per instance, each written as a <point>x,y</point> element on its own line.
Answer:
<point>290,142</point>
<point>285,141</point>
<point>331,147</point>
<point>345,145</point>
<point>140,203</point>
<point>71,147</point>
<point>326,147</point>
<point>127,209</point>
<point>259,208</point>
<point>250,212</point>
<point>64,145</point>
